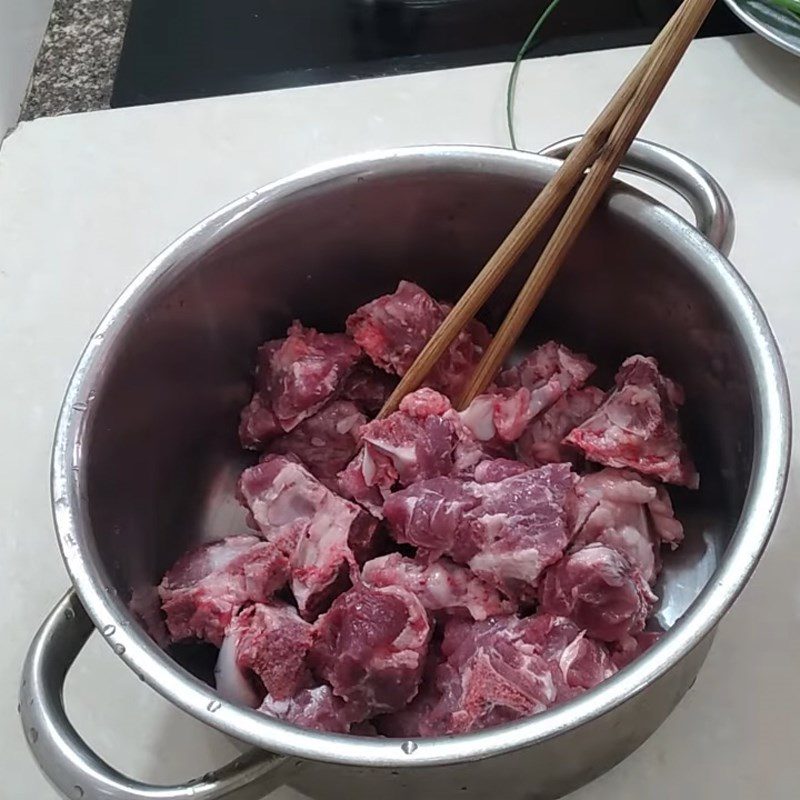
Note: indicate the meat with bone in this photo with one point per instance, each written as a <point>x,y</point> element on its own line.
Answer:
<point>208,585</point>
<point>315,528</point>
<point>440,586</point>
<point>600,590</point>
<point>271,642</point>
<point>371,647</point>
<point>637,426</point>
<point>393,329</point>
<point>541,441</point>
<point>502,414</point>
<point>507,532</point>
<point>620,509</point>
<point>325,442</point>
<point>413,443</point>
<point>316,708</point>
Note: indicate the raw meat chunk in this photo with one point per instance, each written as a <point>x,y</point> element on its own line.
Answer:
<point>541,441</point>
<point>501,414</point>
<point>257,425</point>
<point>547,372</point>
<point>415,442</point>
<point>599,589</point>
<point>315,528</point>
<point>393,329</point>
<point>208,585</point>
<point>633,647</point>
<point>371,646</point>
<point>325,442</point>
<point>368,387</point>
<point>620,509</point>
<point>271,641</point>
<point>507,532</point>
<point>441,586</point>
<point>637,426</point>
<point>498,469</point>
<point>315,708</point>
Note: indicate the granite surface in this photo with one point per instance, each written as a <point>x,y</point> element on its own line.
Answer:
<point>78,60</point>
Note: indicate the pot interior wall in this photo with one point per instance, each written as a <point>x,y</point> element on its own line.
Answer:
<point>160,450</point>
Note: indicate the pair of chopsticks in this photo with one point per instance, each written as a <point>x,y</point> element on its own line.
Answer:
<point>590,167</point>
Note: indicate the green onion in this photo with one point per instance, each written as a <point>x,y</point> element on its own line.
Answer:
<point>512,78</point>
<point>792,6</point>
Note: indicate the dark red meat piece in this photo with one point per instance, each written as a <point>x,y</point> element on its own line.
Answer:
<point>507,532</point>
<point>620,509</point>
<point>270,641</point>
<point>637,426</point>
<point>325,442</point>
<point>600,590</point>
<point>371,646</point>
<point>393,329</point>
<point>257,425</point>
<point>368,387</point>
<point>413,443</point>
<point>440,586</point>
<point>541,441</point>
<point>633,647</point>
<point>315,528</point>
<point>208,585</point>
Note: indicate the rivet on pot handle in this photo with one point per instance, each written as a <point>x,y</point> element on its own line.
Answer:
<point>712,209</point>
<point>68,762</point>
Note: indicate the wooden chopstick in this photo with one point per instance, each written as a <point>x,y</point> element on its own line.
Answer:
<point>533,220</point>
<point>588,195</point>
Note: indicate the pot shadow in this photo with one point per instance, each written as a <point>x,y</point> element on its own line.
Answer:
<point>777,68</point>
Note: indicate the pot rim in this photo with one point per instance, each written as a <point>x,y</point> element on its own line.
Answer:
<point>138,651</point>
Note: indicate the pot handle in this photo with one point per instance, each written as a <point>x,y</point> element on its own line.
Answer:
<point>68,762</point>
<point>711,206</point>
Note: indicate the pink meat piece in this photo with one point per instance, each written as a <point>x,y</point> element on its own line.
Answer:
<point>498,469</point>
<point>541,441</point>
<point>271,641</point>
<point>325,442</point>
<point>208,585</point>
<point>600,590</point>
<point>257,424</point>
<point>316,708</point>
<point>502,414</point>
<point>634,646</point>
<point>548,372</point>
<point>368,387</point>
<point>413,443</point>
<point>393,329</point>
<point>507,531</point>
<point>316,529</point>
<point>371,647</point>
<point>620,509</point>
<point>637,426</point>
<point>440,586</point>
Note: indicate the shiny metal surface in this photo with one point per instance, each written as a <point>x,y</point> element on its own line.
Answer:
<point>774,24</point>
<point>146,457</point>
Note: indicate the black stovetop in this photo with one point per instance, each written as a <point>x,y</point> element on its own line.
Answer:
<point>179,49</point>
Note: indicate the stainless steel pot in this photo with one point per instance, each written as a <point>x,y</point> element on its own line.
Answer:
<point>146,457</point>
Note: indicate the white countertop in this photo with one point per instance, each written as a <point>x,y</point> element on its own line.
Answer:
<point>87,200</point>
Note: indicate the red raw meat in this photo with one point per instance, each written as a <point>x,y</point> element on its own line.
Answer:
<point>325,442</point>
<point>637,426</point>
<point>368,387</point>
<point>547,372</point>
<point>507,532</point>
<point>441,586</point>
<point>413,443</point>
<point>541,441</point>
<point>315,528</point>
<point>502,414</point>
<point>633,647</point>
<point>393,329</point>
<point>315,708</point>
<point>600,590</point>
<point>620,509</point>
<point>371,646</point>
<point>257,425</point>
<point>208,585</point>
<point>271,641</point>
